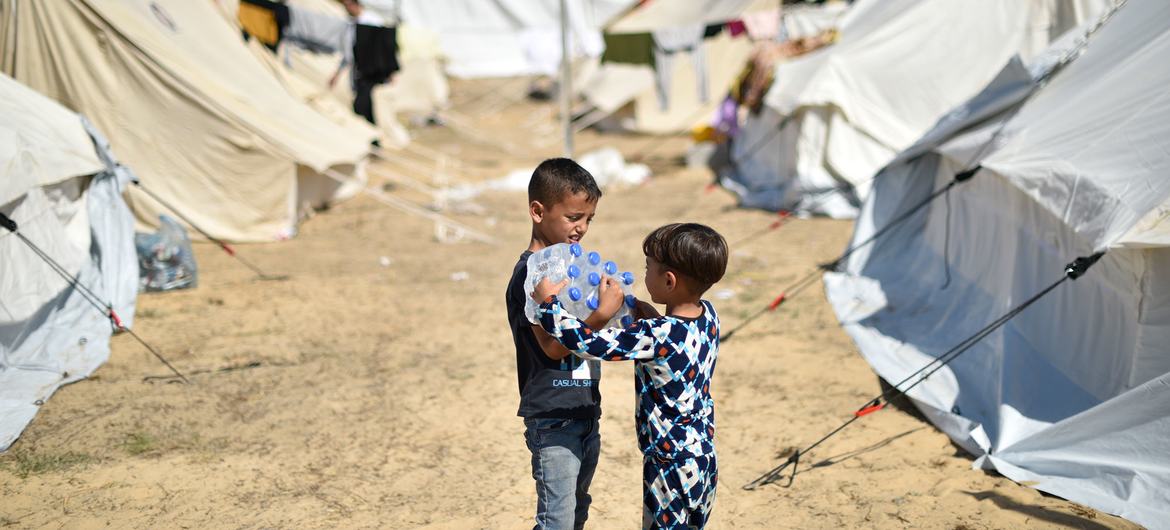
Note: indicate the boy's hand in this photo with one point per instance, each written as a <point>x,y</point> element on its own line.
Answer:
<point>545,289</point>
<point>609,297</point>
<point>643,310</point>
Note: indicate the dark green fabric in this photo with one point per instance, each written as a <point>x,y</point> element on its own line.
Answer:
<point>629,48</point>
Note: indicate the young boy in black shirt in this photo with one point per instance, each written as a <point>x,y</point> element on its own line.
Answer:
<point>559,397</point>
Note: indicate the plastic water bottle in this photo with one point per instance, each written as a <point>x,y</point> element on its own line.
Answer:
<point>551,262</point>
<point>585,271</point>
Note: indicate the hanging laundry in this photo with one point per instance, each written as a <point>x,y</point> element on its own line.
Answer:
<point>375,52</point>
<point>736,28</point>
<point>390,11</point>
<point>667,43</point>
<point>727,117</point>
<point>628,48</point>
<point>375,59</point>
<point>314,31</point>
<point>763,25</point>
<point>264,20</point>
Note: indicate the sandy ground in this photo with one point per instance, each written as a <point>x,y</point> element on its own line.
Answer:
<point>358,395</point>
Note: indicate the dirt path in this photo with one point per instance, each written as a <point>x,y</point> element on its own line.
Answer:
<point>360,395</point>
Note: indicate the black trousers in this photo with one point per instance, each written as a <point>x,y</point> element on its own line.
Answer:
<point>363,104</point>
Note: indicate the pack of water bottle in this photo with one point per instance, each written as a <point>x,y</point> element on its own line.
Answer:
<point>165,259</point>
<point>585,271</point>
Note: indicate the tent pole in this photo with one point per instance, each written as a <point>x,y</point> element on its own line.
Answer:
<point>566,89</point>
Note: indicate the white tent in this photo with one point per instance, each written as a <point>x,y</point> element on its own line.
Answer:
<point>837,115</point>
<point>1072,396</point>
<point>68,203</point>
<point>504,38</point>
<point>186,104</point>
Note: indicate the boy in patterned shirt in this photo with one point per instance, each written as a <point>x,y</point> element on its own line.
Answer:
<point>674,360</point>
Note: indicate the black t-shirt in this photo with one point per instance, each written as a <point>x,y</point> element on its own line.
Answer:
<point>567,388</point>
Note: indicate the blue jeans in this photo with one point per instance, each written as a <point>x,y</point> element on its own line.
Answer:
<point>564,457</point>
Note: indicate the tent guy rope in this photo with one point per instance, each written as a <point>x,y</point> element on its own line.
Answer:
<point>412,208</point>
<point>105,308</point>
<point>807,280</point>
<point>222,244</point>
<point>1072,271</point>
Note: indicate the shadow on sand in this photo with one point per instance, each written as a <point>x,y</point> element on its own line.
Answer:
<point>1043,513</point>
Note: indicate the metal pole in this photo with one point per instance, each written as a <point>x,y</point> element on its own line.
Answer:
<point>566,88</point>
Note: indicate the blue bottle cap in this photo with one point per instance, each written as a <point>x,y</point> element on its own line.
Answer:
<point>575,250</point>
<point>628,278</point>
<point>592,303</point>
<point>594,279</point>
<point>574,271</point>
<point>547,252</point>
<point>594,258</point>
<point>631,301</point>
<point>574,294</point>
<point>627,321</point>
<point>610,268</point>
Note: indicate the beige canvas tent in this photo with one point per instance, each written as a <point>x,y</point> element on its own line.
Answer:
<point>203,122</point>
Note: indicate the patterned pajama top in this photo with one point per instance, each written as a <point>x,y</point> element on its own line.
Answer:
<point>674,360</point>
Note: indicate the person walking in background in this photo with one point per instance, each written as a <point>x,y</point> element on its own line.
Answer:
<point>370,50</point>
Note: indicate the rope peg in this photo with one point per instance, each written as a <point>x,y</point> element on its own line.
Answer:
<point>784,215</point>
<point>7,223</point>
<point>795,461</point>
<point>870,408</point>
<point>776,303</point>
<point>1079,266</point>
<point>964,176</point>
<point>830,266</point>
<point>114,319</point>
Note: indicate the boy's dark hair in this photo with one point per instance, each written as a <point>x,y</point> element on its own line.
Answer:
<point>697,251</point>
<point>555,178</point>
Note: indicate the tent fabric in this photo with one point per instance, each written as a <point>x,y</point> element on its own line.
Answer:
<point>804,21</point>
<point>1073,394</point>
<point>504,38</point>
<point>616,84</point>
<point>664,14</point>
<point>66,200</point>
<point>896,68</point>
<point>186,104</point>
<point>47,135</point>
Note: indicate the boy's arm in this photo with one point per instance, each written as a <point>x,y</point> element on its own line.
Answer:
<point>613,344</point>
<point>611,300</point>
<point>554,349</point>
